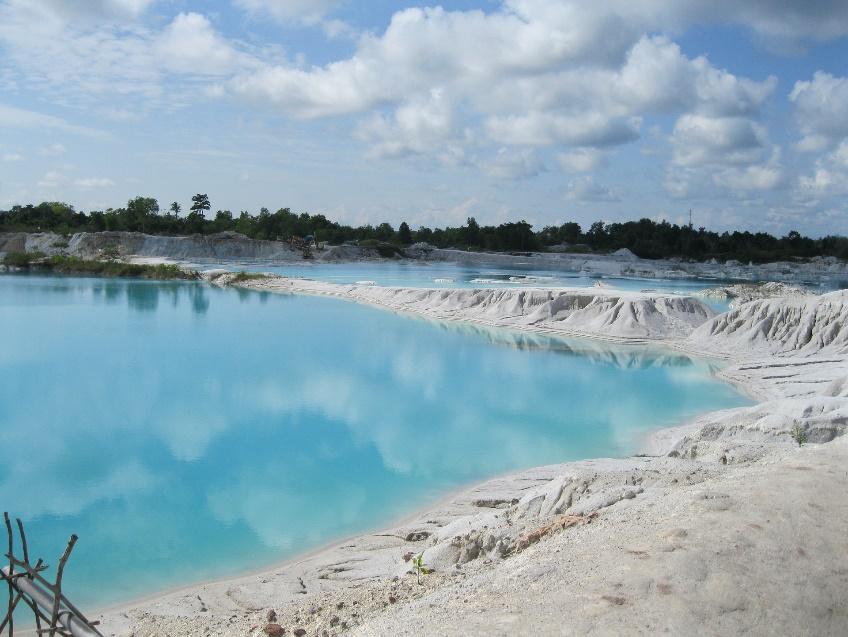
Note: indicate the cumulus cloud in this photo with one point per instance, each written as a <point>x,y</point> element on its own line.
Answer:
<point>576,129</point>
<point>821,110</point>
<point>587,189</point>
<point>417,127</point>
<point>93,182</point>
<point>829,177</point>
<point>511,163</point>
<point>539,83</point>
<point>757,177</point>
<point>506,89</point>
<point>581,160</point>
<point>189,44</point>
<point>52,179</point>
<point>700,140</point>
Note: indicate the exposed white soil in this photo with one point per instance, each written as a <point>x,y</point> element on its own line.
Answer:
<point>725,526</point>
<point>633,317</point>
<point>740,293</point>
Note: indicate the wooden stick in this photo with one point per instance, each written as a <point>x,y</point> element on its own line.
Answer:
<point>11,537</point>
<point>25,549</point>
<point>57,587</point>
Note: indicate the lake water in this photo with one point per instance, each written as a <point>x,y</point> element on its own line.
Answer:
<point>439,274</point>
<point>188,432</point>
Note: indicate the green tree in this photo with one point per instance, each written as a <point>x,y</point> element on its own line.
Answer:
<point>404,233</point>
<point>200,203</point>
<point>384,231</point>
<point>175,209</point>
<point>140,212</point>
<point>570,232</point>
<point>471,234</point>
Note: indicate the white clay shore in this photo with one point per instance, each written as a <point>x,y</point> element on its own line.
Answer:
<point>724,526</point>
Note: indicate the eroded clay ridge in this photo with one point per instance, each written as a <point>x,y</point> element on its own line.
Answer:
<point>619,316</point>
<point>805,325</point>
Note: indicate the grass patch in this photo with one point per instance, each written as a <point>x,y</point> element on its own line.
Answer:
<point>22,259</point>
<point>73,265</point>
<point>243,276</point>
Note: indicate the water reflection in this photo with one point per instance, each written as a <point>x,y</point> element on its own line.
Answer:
<point>623,356</point>
<point>249,434</point>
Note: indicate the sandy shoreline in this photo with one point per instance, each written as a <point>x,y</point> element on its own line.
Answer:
<point>465,530</point>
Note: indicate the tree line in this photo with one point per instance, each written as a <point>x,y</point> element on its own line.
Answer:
<point>645,237</point>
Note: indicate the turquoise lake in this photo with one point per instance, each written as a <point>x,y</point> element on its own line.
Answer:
<point>186,432</point>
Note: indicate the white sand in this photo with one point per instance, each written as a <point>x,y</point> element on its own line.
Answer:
<point>726,526</point>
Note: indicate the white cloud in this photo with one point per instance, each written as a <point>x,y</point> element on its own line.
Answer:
<point>493,88</point>
<point>731,153</point>
<point>189,44</point>
<point>11,157</point>
<point>53,150</point>
<point>581,160</point>
<point>68,11</point>
<point>583,129</point>
<point>12,117</point>
<point>821,110</point>
<point>513,163</point>
<point>587,189</point>
<point>829,177</point>
<point>751,178</point>
<point>78,58</point>
<point>52,179</point>
<point>700,140</point>
<point>416,127</point>
<point>93,182</point>
<point>309,11</point>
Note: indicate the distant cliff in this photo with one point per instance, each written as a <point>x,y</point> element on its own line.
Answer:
<point>224,246</point>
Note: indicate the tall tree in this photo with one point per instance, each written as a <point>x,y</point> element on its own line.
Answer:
<point>139,212</point>
<point>176,209</point>
<point>200,204</point>
<point>404,233</point>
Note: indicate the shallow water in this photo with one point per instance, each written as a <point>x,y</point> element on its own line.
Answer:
<point>437,274</point>
<point>188,432</point>
<point>442,274</point>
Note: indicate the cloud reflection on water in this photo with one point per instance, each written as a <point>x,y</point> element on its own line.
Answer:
<point>274,429</point>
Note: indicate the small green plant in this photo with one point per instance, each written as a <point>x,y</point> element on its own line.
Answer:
<point>419,567</point>
<point>798,434</point>
<point>110,252</point>
<point>61,244</point>
<point>243,276</point>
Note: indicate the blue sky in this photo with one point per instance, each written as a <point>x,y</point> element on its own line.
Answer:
<point>387,111</point>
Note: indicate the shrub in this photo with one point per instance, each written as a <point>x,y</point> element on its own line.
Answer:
<point>243,276</point>
<point>22,259</point>
<point>110,252</point>
<point>798,434</point>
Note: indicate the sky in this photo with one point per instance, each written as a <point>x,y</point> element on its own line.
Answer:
<point>544,110</point>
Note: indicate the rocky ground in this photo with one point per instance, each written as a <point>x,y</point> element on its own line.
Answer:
<point>690,547</point>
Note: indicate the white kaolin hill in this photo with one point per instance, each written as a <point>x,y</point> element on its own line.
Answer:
<point>596,313</point>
